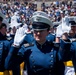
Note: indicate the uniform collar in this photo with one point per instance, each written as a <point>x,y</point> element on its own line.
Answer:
<point>2,37</point>
<point>41,46</point>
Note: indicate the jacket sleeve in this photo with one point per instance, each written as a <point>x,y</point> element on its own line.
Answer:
<point>65,53</point>
<point>12,58</point>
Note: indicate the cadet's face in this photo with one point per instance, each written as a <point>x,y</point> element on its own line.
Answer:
<point>4,30</point>
<point>73,29</point>
<point>40,36</point>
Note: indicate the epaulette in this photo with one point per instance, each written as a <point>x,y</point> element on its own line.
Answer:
<point>28,44</point>
<point>73,39</point>
<point>9,38</point>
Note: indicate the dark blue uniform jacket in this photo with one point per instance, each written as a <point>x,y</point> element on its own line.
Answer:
<point>4,49</point>
<point>40,59</point>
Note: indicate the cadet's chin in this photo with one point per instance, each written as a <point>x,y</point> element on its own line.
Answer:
<point>37,39</point>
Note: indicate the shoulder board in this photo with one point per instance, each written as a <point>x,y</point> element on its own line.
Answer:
<point>9,38</point>
<point>73,40</point>
<point>28,44</point>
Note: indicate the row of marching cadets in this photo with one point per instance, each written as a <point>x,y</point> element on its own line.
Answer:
<point>40,55</point>
<point>41,51</point>
<point>7,33</point>
<point>71,30</point>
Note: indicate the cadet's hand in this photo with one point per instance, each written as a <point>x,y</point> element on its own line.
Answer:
<point>66,27</point>
<point>59,31</point>
<point>19,36</point>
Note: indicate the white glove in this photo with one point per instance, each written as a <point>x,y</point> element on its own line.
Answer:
<point>59,31</point>
<point>19,36</point>
<point>66,27</point>
<point>25,27</point>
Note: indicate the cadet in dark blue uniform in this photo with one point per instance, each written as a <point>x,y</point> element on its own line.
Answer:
<point>69,69</point>
<point>72,37</point>
<point>73,54</point>
<point>52,34</point>
<point>69,54</point>
<point>41,56</point>
<point>6,43</point>
<point>4,46</point>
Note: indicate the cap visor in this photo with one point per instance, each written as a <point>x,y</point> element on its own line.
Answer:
<point>40,29</point>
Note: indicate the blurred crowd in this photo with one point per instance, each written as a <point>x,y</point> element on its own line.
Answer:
<point>18,14</point>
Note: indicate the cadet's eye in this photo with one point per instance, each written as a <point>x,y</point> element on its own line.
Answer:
<point>38,31</point>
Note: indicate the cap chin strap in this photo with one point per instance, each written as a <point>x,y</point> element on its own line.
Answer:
<point>40,29</point>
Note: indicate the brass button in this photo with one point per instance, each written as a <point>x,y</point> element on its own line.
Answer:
<point>51,50</point>
<point>51,61</point>
<point>48,36</point>
<point>48,40</point>
<point>33,61</point>
<point>1,42</point>
<point>9,53</point>
<point>51,55</point>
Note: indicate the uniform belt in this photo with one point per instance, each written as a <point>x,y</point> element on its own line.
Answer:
<point>6,72</point>
<point>68,63</point>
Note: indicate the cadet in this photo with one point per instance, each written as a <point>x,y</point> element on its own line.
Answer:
<point>71,64</point>
<point>3,43</point>
<point>69,69</point>
<point>71,53</point>
<point>41,56</point>
<point>52,34</point>
<point>7,41</point>
<point>68,54</point>
<point>4,46</point>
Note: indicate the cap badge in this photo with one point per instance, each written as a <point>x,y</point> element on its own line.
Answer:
<point>37,19</point>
